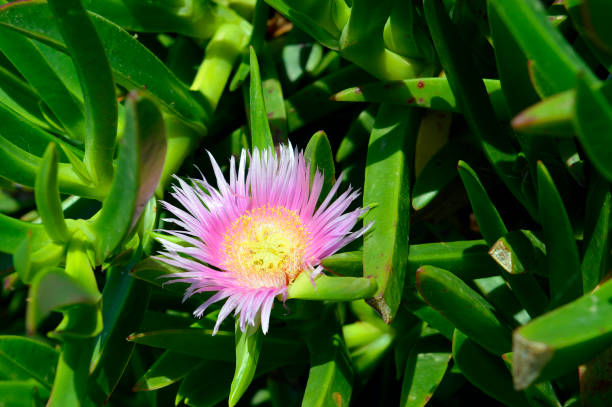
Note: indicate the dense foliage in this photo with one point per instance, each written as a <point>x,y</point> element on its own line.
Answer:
<point>479,133</point>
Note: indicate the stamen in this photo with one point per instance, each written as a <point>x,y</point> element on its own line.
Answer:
<point>266,247</point>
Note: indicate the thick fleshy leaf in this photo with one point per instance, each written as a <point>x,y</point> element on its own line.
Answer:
<point>24,358</point>
<point>313,102</point>
<point>357,135</point>
<point>438,172</point>
<point>248,348</point>
<point>261,137</point>
<point>27,57</point>
<point>134,66</point>
<point>387,188</point>
<point>169,368</point>
<point>207,385</point>
<point>13,233</point>
<point>520,251</point>
<point>22,394</point>
<point>511,65</point>
<point>485,371</point>
<point>21,98</point>
<point>541,353</point>
<point>47,196</point>
<point>273,98</point>
<point>332,288</point>
<point>562,255</point>
<point>199,19</point>
<point>143,148</point>
<point>596,258</point>
<point>590,19</point>
<point>473,101</point>
<point>221,347</point>
<point>593,122</point>
<point>124,301</point>
<point>54,289</point>
<point>331,374</point>
<point>319,153</point>
<point>552,116</point>
<point>361,43</point>
<point>422,375</point>
<point>433,93</point>
<point>529,25</point>
<point>464,308</point>
<point>525,287</point>
<point>85,48</point>
<point>466,259</point>
<point>21,166</point>
<point>315,18</point>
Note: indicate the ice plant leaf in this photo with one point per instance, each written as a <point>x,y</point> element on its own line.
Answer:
<point>141,157</point>
<point>525,287</point>
<point>387,180</point>
<point>248,347</point>
<point>93,69</point>
<point>485,371</point>
<point>134,66</point>
<point>332,288</point>
<point>422,375</point>
<point>593,122</point>
<point>434,93</point>
<point>541,353</point>
<point>247,240</point>
<point>314,101</point>
<point>23,358</point>
<point>21,166</point>
<point>26,55</point>
<point>319,153</point>
<point>472,99</point>
<point>541,42</point>
<point>464,308</point>
<point>511,64</point>
<point>563,259</point>
<point>169,368</point>
<point>54,289</point>
<point>48,198</point>
<point>124,300</point>
<point>261,137</point>
<point>331,373</point>
<point>596,258</point>
<point>14,231</point>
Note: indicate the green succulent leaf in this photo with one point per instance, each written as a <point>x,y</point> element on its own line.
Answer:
<point>48,198</point>
<point>472,99</point>
<point>261,137</point>
<point>25,358</point>
<point>464,308</point>
<point>248,348</point>
<point>593,123</point>
<point>433,93</point>
<point>143,148</point>
<point>133,66</point>
<point>485,371</point>
<point>331,288</point>
<point>541,353</point>
<point>422,375</point>
<point>169,368</point>
<point>387,184</point>
<point>319,153</point>
<point>562,256</point>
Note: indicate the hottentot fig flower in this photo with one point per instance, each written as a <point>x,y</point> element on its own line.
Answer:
<point>248,239</point>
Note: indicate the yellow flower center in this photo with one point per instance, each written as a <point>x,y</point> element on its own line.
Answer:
<point>266,247</point>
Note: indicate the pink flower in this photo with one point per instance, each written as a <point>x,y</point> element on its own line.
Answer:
<point>247,240</point>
